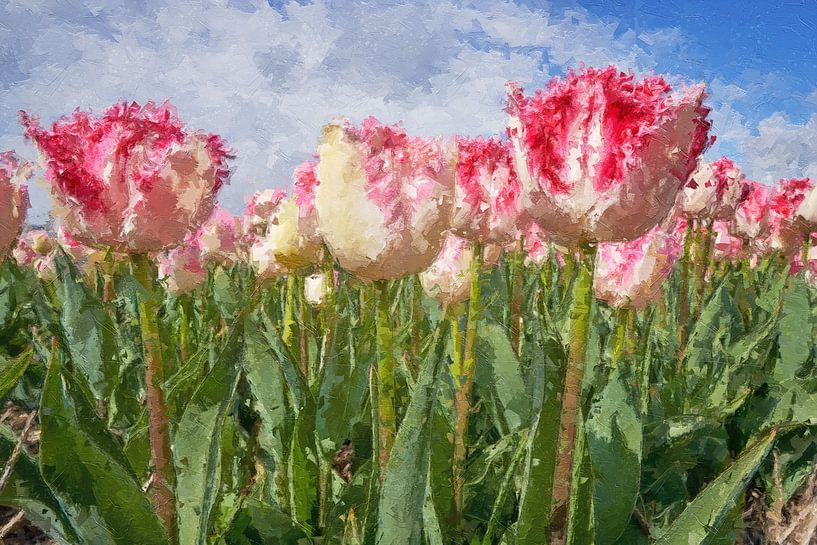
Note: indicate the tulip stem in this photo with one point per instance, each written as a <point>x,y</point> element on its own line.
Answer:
<point>516,295</point>
<point>703,266</point>
<point>303,339</point>
<point>571,394</point>
<point>387,414</point>
<point>164,478</point>
<point>464,380</point>
<point>288,336</point>
<point>683,290</point>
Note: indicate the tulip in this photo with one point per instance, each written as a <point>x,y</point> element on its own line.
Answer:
<point>486,196</point>
<point>448,279</point>
<point>181,268</point>
<point>134,179</point>
<point>315,289</point>
<point>784,235</point>
<point>291,233</point>
<point>220,238</point>
<point>262,260</point>
<point>36,249</point>
<point>13,198</point>
<point>631,274</point>
<point>807,209</point>
<point>602,157</point>
<point>713,190</point>
<point>261,207</point>
<point>811,267</point>
<point>726,246</point>
<point>751,215</point>
<point>384,199</point>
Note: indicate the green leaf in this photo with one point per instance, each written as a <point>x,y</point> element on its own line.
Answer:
<point>614,441</point>
<point>701,519</point>
<point>403,494</point>
<point>795,338</point>
<point>537,482</point>
<point>197,443</point>
<point>84,464</point>
<point>581,511</point>
<point>499,373</point>
<point>258,523</point>
<point>12,370</point>
<point>26,490</point>
<point>88,329</point>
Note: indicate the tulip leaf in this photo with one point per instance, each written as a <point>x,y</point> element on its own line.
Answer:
<point>540,462</point>
<point>197,442</point>
<point>259,522</point>
<point>404,490</point>
<point>500,375</point>
<point>12,370</point>
<point>701,519</point>
<point>84,464</point>
<point>27,491</point>
<point>614,440</point>
<point>88,329</point>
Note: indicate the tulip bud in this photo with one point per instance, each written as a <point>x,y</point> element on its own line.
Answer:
<point>726,246</point>
<point>784,235</point>
<point>486,196</point>
<point>384,199</point>
<point>315,289</point>
<point>261,207</point>
<point>630,274</point>
<point>13,199</point>
<point>181,268</point>
<point>602,157</point>
<point>751,215</point>
<point>221,238</point>
<point>713,190</point>
<point>134,179</point>
<point>448,279</point>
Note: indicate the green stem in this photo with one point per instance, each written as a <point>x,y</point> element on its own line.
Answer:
<point>464,382</point>
<point>289,312</point>
<point>571,395</point>
<point>184,328</point>
<point>386,386</point>
<point>164,477</point>
<point>703,266</point>
<point>516,296</point>
<point>683,290</point>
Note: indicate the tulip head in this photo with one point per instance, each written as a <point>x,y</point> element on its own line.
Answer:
<point>713,191</point>
<point>383,199</point>
<point>601,156</point>
<point>631,274</point>
<point>13,198</point>
<point>181,268</point>
<point>220,238</point>
<point>134,179</point>
<point>486,196</point>
<point>751,214</point>
<point>448,279</point>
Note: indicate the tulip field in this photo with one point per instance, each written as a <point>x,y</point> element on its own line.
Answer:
<point>577,331</point>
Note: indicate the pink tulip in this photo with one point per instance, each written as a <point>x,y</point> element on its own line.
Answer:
<point>135,178</point>
<point>221,238</point>
<point>751,215</point>
<point>13,198</point>
<point>448,279</point>
<point>181,268</point>
<point>783,234</point>
<point>261,207</point>
<point>384,198</point>
<point>602,157</point>
<point>807,210</point>
<point>32,245</point>
<point>713,190</point>
<point>725,245</point>
<point>631,274</point>
<point>486,196</point>
<point>537,246</point>
<point>811,268</point>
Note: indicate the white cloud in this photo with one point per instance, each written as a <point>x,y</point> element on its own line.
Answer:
<point>268,80</point>
<point>782,149</point>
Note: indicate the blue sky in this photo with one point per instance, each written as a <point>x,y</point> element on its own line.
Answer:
<point>268,75</point>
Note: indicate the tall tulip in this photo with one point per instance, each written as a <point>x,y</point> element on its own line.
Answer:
<point>631,274</point>
<point>181,268</point>
<point>785,235</point>
<point>448,279</point>
<point>261,207</point>
<point>713,190</point>
<point>751,214</point>
<point>133,178</point>
<point>220,238</point>
<point>601,156</point>
<point>13,198</point>
<point>137,180</point>
<point>486,196</point>
<point>384,198</point>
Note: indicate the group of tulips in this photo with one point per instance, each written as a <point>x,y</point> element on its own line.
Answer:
<point>600,173</point>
